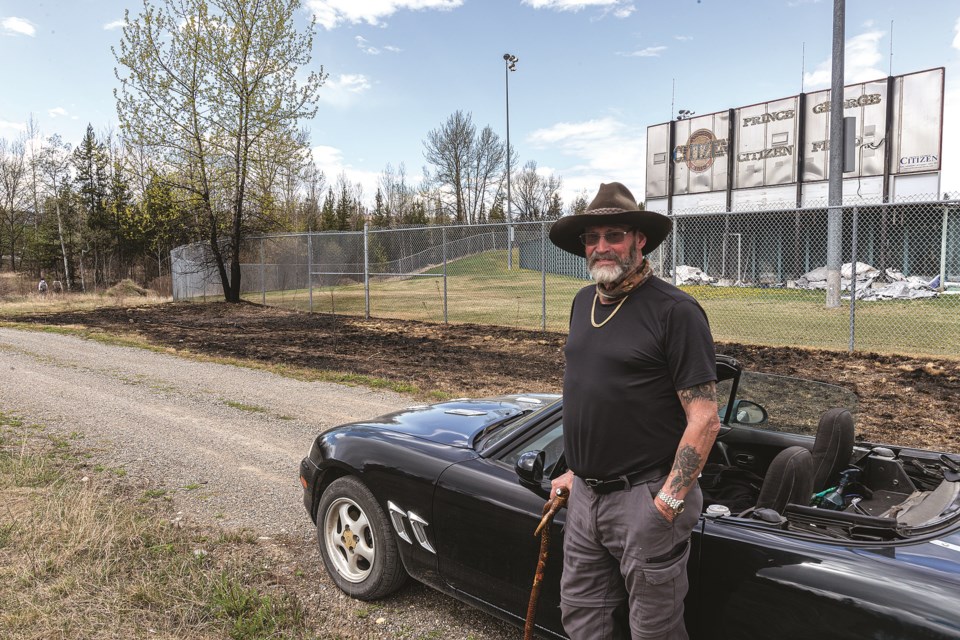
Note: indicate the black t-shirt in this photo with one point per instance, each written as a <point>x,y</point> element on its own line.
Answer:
<point>621,412</point>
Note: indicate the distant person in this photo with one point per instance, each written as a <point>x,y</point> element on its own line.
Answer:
<point>42,287</point>
<point>639,419</point>
<point>57,286</point>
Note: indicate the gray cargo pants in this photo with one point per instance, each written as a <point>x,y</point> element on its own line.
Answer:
<point>624,565</point>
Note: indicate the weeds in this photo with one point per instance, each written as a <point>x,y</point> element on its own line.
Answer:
<point>85,556</point>
<point>251,408</point>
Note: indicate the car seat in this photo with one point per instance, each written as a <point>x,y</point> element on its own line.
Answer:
<point>789,479</point>
<point>832,447</point>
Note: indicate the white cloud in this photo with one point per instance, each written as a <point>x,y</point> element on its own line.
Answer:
<point>14,26</point>
<point>364,45</point>
<point>350,82</point>
<point>342,91</point>
<point>602,149</point>
<point>861,54</point>
<point>649,52</point>
<point>57,112</point>
<point>332,13</point>
<point>956,38</point>
<point>12,126</point>
<point>578,5</point>
<point>683,38</point>
<point>326,156</point>
<point>330,160</point>
<point>116,24</point>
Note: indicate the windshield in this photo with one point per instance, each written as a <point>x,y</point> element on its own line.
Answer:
<point>793,405</point>
<point>501,431</point>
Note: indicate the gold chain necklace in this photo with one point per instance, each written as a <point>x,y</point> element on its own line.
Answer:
<point>593,311</point>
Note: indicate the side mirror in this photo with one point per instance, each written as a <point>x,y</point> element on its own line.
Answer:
<point>530,467</point>
<point>747,412</point>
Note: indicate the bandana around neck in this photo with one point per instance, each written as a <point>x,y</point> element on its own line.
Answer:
<point>640,274</point>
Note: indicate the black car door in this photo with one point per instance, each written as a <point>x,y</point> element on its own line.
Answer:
<point>485,520</point>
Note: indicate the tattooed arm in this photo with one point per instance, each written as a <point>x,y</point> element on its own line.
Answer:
<point>703,425</point>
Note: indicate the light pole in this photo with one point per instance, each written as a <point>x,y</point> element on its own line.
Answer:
<point>509,64</point>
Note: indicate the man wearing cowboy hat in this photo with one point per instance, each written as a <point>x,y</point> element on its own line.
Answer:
<point>640,417</point>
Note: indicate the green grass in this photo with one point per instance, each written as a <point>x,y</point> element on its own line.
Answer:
<point>240,406</point>
<point>481,290</point>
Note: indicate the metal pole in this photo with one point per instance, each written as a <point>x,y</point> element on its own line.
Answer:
<point>543,271</point>
<point>853,280</point>
<point>943,249</point>
<point>509,64</point>
<point>673,250</point>
<point>310,267</point>
<point>366,267</point>
<point>263,277</point>
<point>446,320</point>
<point>835,187</point>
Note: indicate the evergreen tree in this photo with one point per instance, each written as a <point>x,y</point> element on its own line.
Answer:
<point>328,216</point>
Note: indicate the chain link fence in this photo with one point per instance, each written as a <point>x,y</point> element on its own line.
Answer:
<point>760,275</point>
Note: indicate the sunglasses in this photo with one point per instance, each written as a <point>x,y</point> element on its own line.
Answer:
<point>591,238</point>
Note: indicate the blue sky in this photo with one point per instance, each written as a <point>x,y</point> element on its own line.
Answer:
<point>591,76</point>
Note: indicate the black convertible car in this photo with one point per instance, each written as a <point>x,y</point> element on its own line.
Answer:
<point>813,533</point>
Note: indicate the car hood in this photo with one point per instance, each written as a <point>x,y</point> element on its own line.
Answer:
<point>457,423</point>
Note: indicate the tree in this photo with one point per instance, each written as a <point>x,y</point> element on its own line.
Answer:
<point>537,197</point>
<point>54,163</point>
<point>467,167</point>
<point>579,204</point>
<point>13,196</point>
<point>398,196</point>
<point>90,163</point>
<point>211,86</point>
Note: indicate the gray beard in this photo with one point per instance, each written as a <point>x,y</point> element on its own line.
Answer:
<point>607,274</point>
<point>612,274</point>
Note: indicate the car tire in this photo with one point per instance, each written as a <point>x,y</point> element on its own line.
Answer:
<point>358,548</point>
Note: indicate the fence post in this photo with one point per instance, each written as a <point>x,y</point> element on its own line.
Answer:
<point>543,272</point>
<point>943,249</point>
<point>443,244</point>
<point>263,276</point>
<point>310,266</point>
<point>673,250</point>
<point>853,278</point>
<point>366,268</point>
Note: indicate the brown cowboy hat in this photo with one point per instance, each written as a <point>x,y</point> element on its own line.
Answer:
<point>614,204</point>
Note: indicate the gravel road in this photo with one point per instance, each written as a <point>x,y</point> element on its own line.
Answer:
<point>226,442</point>
<point>233,436</point>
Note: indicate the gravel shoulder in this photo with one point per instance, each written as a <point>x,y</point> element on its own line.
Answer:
<point>225,442</point>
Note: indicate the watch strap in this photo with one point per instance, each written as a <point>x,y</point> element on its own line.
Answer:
<point>670,501</point>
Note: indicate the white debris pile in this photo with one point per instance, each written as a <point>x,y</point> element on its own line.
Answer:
<point>692,275</point>
<point>897,286</point>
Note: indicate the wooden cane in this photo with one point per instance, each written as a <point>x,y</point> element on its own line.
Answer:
<point>554,504</point>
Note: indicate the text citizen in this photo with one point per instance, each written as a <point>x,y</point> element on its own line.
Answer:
<point>700,150</point>
<point>763,154</point>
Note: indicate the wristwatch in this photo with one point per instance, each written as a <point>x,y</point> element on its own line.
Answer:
<point>670,501</point>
